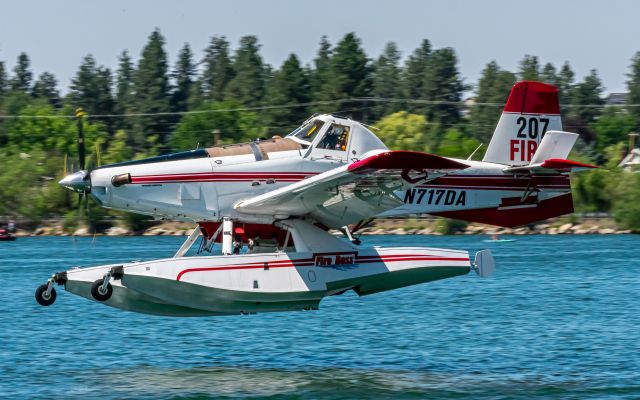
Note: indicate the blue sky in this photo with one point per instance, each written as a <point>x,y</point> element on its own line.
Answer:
<point>590,34</point>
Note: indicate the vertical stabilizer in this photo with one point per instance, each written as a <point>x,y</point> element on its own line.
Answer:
<point>531,111</point>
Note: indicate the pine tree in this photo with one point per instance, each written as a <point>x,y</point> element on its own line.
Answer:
<point>46,88</point>
<point>529,68</point>
<point>218,70</point>
<point>248,83</point>
<point>386,81</point>
<point>125,90</point>
<point>443,85</point>
<point>183,74</point>
<point>321,75</point>
<point>350,76</point>
<point>633,86</point>
<point>549,74</point>
<point>3,80</point>
<point>492,92</point>
<point>289,85</point>
<point>91,88</point>
<point>152,90</point>
<point>565,83</point>
<point>585,99</point>
<point>22,75</point>
<point>413,76</point>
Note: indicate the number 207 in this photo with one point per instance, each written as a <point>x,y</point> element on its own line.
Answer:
<point>531,127</point>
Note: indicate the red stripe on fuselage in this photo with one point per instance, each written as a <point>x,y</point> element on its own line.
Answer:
<point>486,182</point>
<point>309,262</point>
<point>222,177</point>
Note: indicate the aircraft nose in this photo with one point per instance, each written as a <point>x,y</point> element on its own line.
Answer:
<point>78,181</point>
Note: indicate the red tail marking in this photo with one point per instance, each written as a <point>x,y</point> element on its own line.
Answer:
<point>529,97</point>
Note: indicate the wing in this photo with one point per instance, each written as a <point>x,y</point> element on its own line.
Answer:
<point>352,192</point>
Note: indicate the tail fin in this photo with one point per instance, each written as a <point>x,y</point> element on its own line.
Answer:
<point>531,110</point>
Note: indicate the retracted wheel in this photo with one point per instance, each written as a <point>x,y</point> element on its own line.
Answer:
<point>100,291</point>
<point>45,295</point>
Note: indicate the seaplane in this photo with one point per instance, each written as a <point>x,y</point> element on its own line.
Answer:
<point>265,212</point>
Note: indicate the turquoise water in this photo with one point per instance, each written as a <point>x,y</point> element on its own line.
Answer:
<point>559,319</point>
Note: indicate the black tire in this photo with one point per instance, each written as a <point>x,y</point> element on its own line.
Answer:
<point>41,295</point>
<point>95,291</point>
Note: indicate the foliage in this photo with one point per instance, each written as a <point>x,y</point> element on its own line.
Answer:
<point>404,131</point>
<point>289,85</point>
<point>455,144</point>
<point>218,70</point>
<point>386,75</point>
<point>248,84</point>
<point>448,226</point>
<point>491,93</point>
<point>626,209</point>
<point>198,129</point>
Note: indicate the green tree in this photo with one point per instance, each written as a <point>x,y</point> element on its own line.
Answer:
<point>549,74</point>
<point>565,85</point>
<point>46,88</point>
<point>633,87</point>
<point>492,92</point>
<point>197,130</point>
<point>612,127</point>
<point>413,76</point>
<point>456,144</point>
<point>585,101</point>
<point>289,85</point>
<point>405,131</point>
<point>49,134</point>
<point>248,83</point>
<point>118,149</point>
<point>218,69</point>
<point>350,76</point>
<point>152,96</point>
<point>529,68</point>
<point>22,75</point>
<point>442,84</point>
<point>626,207</point>
<point>321,75</point>
<point>183,74</point>
<point>386,80</point>
<point>125,89</point>
<point>91,88</point>
<point>3,81</point>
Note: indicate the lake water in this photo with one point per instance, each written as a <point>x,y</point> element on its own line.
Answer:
<point>559,319</point>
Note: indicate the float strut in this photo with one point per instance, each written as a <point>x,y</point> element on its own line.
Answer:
<point>47,293</point>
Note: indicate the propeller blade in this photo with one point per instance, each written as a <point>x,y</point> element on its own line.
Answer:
<point>81,150</point>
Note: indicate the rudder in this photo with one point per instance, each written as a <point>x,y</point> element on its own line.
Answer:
<point>531,110</point>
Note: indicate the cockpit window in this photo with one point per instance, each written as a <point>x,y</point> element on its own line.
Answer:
<point>308,131</point>
<point>336,138</point>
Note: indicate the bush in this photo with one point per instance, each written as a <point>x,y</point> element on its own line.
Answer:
<point>448,226</point>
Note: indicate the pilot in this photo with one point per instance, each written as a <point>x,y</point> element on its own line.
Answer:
<point>237,244</point>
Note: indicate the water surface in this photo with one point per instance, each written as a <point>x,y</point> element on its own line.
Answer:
<point>559,319</point>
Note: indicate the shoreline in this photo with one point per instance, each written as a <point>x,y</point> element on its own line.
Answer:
<point>411,226</point>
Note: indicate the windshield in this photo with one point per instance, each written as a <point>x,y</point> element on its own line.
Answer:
<point>308,131</point>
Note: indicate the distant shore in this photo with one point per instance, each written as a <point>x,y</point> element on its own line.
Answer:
<point>411,226</point>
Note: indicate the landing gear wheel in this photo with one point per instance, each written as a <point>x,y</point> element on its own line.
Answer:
<point>43,298</point>
<point>99,293</point>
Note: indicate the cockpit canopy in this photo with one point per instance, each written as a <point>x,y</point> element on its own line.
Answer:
<point>326,136</point>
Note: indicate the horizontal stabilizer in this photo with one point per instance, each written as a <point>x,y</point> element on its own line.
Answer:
<point>555,144</point>
<point>551,166</point>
